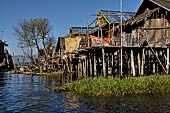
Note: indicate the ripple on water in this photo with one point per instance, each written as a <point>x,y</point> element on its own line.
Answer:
<point>31,94</point>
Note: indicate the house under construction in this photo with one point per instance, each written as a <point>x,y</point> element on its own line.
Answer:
<point>95,51</point>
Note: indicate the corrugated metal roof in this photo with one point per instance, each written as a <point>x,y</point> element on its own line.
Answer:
<point>114,16</point>
<point>80,30</point>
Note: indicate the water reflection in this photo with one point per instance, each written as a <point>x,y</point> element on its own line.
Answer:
<point>33,94</point>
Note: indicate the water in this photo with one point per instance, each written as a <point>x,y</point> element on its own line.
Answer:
<point>34,94</point>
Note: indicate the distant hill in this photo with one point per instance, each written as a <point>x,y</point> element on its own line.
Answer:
<point>20,58</point>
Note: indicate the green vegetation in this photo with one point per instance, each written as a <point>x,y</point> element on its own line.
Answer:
<point>119,87</point>
<point>50,74</point>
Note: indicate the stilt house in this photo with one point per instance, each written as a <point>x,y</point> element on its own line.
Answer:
<point>2,50</point>
<point>151,23</point>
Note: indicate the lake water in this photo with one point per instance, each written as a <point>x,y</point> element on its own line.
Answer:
<point>34,94</point>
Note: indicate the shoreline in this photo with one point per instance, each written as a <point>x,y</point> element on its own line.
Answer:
<point>33,73</point>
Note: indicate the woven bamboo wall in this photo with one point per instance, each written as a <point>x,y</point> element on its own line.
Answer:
<point>72,44</point>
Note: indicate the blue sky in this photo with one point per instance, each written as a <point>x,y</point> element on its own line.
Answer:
<point>61,13</point>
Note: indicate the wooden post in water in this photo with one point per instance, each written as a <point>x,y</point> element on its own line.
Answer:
<point>118,62</point>
<point>78,69</point>
<point>95,71</point>
<point>107,65</point>
<point>14,61</point>
<point>132,63</point>
<point>90,65</point>
<point>104,68</point>
<point>82,67</point>
<point>139,63</point>
<point>149,64</point>
<point>85,66</point>
<point>71,64</point>
<point>167,60</point>
<point>154,64</point>
<point>112,64</point>
<point>143,61</point>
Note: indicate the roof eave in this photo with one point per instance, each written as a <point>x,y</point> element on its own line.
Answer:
<point>139,7</point>
<point>159,5</point>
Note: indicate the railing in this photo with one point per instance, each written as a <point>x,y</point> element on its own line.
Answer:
<point>129,40</point>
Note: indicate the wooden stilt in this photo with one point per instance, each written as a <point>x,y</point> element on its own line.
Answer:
<point>143,61</point>
<point>156,63</point>
<point>104,68</point>
<point>107,65</point>
<point>78,69</point>
<point>159,67</point>
<point>95,71</point>
<point>88,72</point>
<point>118,62</point>
<point>139,63</point>
<point>85,66</point>
<point>112,64</point>
<point>167,66</point>
<point>132,63</point>
<point>71,65</point>
<point>154,66</point>
<point>90,65</point>
<point>82,67</point>
<point>129,63</point>
<point>149,62</point>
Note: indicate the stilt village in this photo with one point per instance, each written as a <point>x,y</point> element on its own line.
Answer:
<point>136,45</point>
<point>118,43</point>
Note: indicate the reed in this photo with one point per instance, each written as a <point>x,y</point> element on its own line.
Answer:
<point>119,87</point>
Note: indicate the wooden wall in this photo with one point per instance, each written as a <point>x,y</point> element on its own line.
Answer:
<point>157,36</point>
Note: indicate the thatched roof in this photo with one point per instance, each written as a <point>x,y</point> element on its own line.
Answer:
<point>162,3</point>
<point>142,16</point>
<point>139,16</point>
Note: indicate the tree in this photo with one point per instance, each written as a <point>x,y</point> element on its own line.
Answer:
<point>36,33</point>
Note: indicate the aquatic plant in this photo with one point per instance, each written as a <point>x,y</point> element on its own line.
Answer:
<point>119,87</point>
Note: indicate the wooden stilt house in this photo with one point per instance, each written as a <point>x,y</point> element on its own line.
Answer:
<point>2,50</point>
<point>151,23</point>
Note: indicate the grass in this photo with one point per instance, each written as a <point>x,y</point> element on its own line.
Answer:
<point>119,87</point>
<point>50,74</point>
